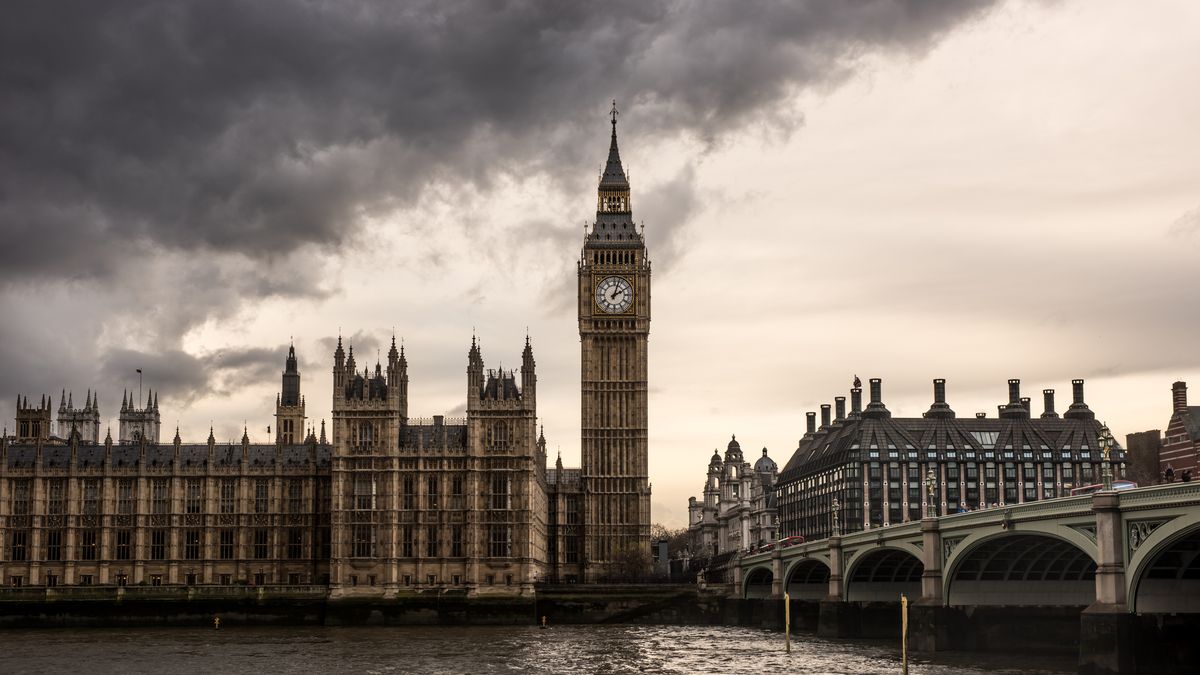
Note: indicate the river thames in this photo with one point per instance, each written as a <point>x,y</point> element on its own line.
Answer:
<point>477,649</point>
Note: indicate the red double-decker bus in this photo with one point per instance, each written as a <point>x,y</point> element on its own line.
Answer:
<point>1116,485</point>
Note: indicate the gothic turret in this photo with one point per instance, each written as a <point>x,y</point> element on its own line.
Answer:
<point>33,423</point>
<point>289,406</point>
<point>528,374</point>
<point>84,421</point>
<point>397,377</point>
<point>367,408</point>
<point>339,368</point>
<point>138,424</point>
<point>474,374</point>
<point>290,393</point>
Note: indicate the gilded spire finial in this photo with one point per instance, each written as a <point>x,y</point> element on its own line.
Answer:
<point>613,113</point>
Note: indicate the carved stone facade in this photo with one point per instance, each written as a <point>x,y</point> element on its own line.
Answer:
<point>434,503</point>
<point>392,504</point>
<point>614,327</point>
<point>77,512</point>
<point>738,510</point>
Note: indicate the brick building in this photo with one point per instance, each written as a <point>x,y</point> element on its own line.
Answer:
<point>1142,450</point>
<point>1181,442</point>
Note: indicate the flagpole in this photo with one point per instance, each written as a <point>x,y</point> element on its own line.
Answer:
<point>139,384</point>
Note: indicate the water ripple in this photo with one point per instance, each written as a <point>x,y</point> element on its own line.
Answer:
<point>479,649</point>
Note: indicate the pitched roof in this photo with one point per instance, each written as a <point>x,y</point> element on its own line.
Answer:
<point>854,440</point>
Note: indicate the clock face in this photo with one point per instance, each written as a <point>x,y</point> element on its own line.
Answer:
<point>614,294</point>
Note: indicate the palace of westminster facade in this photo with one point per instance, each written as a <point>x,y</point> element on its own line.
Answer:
<point>382,504</point>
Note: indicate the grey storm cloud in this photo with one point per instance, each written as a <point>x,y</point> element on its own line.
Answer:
<point>213,144</point>
<point>260,127</point>
<point>188,376</point>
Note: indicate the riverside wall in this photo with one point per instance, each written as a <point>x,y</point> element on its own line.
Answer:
<point>175,606</point>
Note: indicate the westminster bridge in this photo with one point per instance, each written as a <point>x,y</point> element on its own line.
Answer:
<point>1116,572</point>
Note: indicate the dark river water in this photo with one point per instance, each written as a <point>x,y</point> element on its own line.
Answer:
<point>476,650</point>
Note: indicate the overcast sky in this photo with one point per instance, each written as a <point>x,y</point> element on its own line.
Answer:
<point>904,190</point>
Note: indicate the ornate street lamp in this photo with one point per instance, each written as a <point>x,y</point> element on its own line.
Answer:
<point>837,521</point>
<point>931,494</point>
<point>1106,441</point>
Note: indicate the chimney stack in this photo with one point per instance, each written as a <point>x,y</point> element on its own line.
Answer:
<point>811,423</point>
<point>824,416</point>
<point>1017,407</point>
<point>1179,396</point>
<point>1079,409</point>
<point>876,408</point>
<point>839,408</point>
<point>939,407</point>
<point>855,402</point>
<point>1048,400</point>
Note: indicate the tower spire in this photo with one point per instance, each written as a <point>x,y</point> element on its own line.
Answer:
<point>614,172</point>
<point>614,214</point>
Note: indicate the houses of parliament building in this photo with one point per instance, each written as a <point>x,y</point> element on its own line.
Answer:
<point>379,504</point>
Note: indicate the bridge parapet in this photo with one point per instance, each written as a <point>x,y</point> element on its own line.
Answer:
<point>1151,497</point>
<point>1148,517</point>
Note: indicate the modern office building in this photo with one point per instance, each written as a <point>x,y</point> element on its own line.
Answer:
<point>865,468</point>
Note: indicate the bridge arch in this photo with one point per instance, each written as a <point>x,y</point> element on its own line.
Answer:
<point>957,545</point>
<point>882,574</point>
<point>1164,568</point>
<point>758,582</point>
<point>807,579</point>
<point>1020,568</point>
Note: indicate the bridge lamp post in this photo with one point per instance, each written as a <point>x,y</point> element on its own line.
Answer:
<point>1106,441</point>
<point>837,520</point>
<point>930,487</point>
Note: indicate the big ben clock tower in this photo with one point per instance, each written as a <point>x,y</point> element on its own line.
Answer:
<point>614,323</point>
